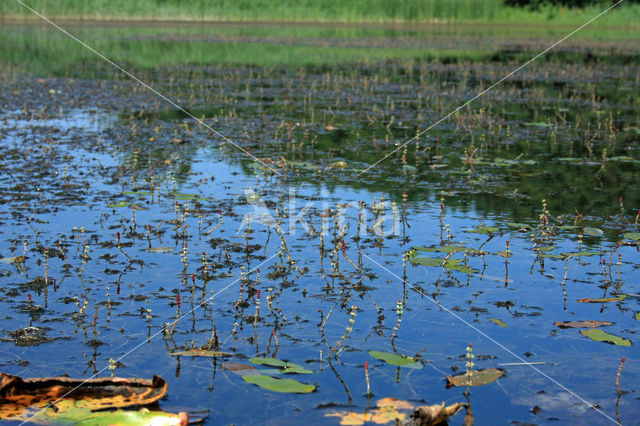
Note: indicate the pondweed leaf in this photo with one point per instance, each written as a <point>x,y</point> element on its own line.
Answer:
<point>444,249</point>
<point>499,322</point>
<point>635,236</point>
<point>396,359</point>
<point>594,232</point>
<point>583,253</point>
<point>482,229</point>
<point>476,378</point>
<point>118,205</point>
<point>286,367</point>
<point>617,298</point>
<point>201,352</point>
<point>279,385</point>
<point>427,261</point>
<point>602,336</point>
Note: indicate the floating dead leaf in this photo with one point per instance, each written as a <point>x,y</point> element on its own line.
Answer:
<point>19,398</point>
<point>386,411</point>
<point>617,298</point>
<point>436,414</point>
<point>477,377</point>
<point>160,249</point>
<point>395,403</point>
<point>581,324</point>
<point>241,369</point>
<point>201,352</point>
<point>602,336</point>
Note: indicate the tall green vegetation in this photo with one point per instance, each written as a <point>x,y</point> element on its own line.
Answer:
<point>372,11</point>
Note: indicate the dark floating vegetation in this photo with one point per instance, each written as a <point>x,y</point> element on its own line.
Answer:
<point>500,245</point>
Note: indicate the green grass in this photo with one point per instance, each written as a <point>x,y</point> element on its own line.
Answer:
<point>372,11</point>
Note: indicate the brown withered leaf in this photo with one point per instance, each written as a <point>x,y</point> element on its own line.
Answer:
<point>436,414</point>
<point>581,324</point>
<point>18,395</point>
<point>241,369</point>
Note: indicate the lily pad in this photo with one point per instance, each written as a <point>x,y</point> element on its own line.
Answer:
<point>582,324</point>
<point>396,359</point>
<point>478,377</point>
<point>602,336</point>
<point>287,367</point>
<point>279,385</point>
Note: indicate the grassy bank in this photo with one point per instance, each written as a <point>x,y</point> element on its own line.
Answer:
<point>374,11</point>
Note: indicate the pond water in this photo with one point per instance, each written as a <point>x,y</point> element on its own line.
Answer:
<point>122,214</point>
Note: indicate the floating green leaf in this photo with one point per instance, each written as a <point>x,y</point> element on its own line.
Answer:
<point>427,261</point>
<point>279,385</point>
<point>569,227</point>
<point>635,236</point>
<point>583,253</point>
<point>396,359</point>
<point>602,336</point>
<point>637,316</point>
<point>183,196</point>
<point>140,193</point>
<point>118,205</point>
<point>457,265</point>
<point>444,249</point>
<point>119,417</point>
<point>520,226</point>
<point>476,378</point>
<point>499,322</point>
<point>287,367</point>
<point>594,232</point>
<point>482,229</point>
